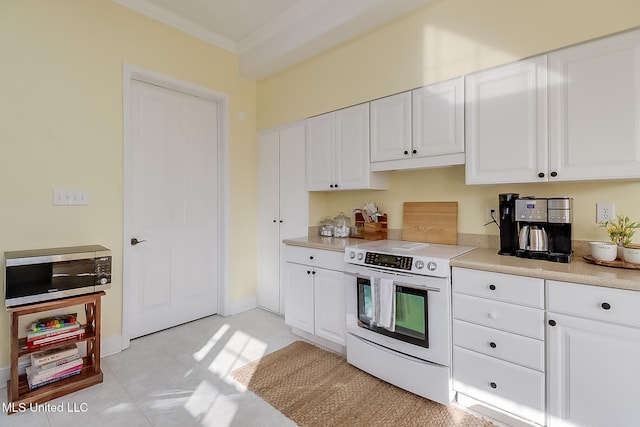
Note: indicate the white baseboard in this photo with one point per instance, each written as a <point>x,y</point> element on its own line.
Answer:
<point>328,345</point>
<point>242,305</point>
<point>108,346</point>
<point>111,345</point>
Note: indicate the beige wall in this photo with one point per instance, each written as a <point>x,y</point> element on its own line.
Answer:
<point>61,110</point>
<point>446,39</point>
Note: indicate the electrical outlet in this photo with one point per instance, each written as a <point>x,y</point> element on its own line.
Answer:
<point>490,212</point>
<point>605,211</point>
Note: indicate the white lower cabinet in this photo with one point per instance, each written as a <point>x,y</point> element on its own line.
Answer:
<point>505,385</point>
<point>315,296</point>
<point>329,305</point>
<point>299,297</point>
<point>498,342</point>
<point>593,365</point>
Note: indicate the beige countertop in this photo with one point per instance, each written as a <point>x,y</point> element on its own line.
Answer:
<point>321,242</point>
<point>578,271</point>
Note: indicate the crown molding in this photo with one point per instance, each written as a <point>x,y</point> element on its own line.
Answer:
<point>149,9</point>
<point>308,28</point>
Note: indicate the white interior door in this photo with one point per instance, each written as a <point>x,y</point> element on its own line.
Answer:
<point>172,182</point>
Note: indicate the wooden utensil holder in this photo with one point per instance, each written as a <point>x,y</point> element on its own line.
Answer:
<point>376,230</point>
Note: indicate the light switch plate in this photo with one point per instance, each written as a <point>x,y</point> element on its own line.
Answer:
<point>70,197</point>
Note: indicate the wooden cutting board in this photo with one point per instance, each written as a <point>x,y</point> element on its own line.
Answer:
<point>432,222</point>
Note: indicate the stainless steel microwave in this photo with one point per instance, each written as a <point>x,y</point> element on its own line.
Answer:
<point>46,274</point>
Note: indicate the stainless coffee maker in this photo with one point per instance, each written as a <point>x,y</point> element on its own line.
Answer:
<point>544,228</point>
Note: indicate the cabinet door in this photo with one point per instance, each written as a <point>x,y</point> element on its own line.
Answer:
<point>330,308</point>
<point>294,204</point>
<point>299,297</point>
<point>320,154</point>
<point>438,119</point>
<point>268,222</point>
<point>391,128</point>
<point>352,168</point>
<point>506,123</point>
<point>592,373</point>
<point>594,105</point>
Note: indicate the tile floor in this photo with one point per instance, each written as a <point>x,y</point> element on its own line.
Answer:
<point>175,378</point>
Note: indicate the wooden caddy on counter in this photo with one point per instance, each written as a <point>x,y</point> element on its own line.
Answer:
<point>371,230</point>
<point>18,394</point>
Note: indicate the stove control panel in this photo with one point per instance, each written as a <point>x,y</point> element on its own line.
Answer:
<point>424,266</point>
<point>392,261</point>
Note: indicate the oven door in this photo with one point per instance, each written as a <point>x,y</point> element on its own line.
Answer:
<point>423,326</point>
<point>411,320</point>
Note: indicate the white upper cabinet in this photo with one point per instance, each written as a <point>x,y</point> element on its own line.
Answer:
<point>419,129</point>
<point>506,123</point>
<point>587,96</point>
<point>338,151</point>
<point>391,128</point>
<point>438,120</point>
<point>594,109</point>
<point>320,140</point>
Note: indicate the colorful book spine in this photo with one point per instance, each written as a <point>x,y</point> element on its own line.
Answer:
<point>59,362</point>
<point>52,332</point>
<point>55,339</point>
<point>48,356</point>
<point>40,374</point>
<point>53,380</point>
<point>54,322</point>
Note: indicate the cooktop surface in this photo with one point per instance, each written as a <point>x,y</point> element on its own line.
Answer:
<point>413,249</point>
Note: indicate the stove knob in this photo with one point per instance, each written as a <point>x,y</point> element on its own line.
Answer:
<point>432,266</point>
<point>419,264</point>
<point>360,256</point>
<point>352,255</point>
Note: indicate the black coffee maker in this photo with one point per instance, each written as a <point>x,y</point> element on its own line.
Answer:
<point>508,225</point>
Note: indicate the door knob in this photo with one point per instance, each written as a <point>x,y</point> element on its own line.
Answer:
<point>135,241</point>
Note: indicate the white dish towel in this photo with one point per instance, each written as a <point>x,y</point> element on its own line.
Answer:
<point>383,300</point>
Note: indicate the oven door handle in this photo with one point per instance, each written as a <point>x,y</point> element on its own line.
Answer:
<point>395,282</point>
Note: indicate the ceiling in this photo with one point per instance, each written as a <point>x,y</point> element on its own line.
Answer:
<point>271,35</point>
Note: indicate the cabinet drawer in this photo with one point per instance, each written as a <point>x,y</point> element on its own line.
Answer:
<point>504,385</point>
<point>527,352</point>
<point>594,302</point>
<point>332,260</point>
<point>522,290</point>
<point>495,314</point>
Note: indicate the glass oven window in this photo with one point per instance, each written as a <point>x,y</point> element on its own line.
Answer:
<point>411,313</point>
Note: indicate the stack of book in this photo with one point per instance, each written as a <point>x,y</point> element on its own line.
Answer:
<point>53,365</point>
<point>52,330</point>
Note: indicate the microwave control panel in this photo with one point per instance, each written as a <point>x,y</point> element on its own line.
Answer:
<point>103,270</point>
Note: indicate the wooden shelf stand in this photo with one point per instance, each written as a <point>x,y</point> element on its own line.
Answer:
<point>18,393</point>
